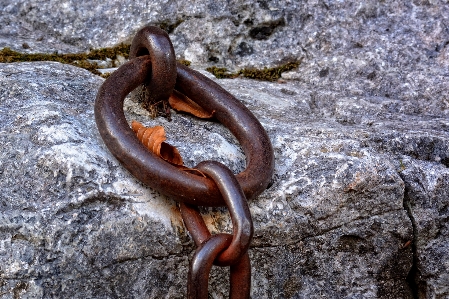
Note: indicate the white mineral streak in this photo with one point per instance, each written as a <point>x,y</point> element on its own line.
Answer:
<point>227,150</point>
<point>58,134</point>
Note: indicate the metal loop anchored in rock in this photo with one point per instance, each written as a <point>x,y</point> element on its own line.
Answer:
<point>155,42</point>
<point>160,73</point>
<point>158,174</point>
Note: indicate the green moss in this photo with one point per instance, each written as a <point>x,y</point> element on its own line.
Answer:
<point>269,74</point>
<point>222,72</point>
<point>8,55</point>
<point>83,60</point>
<point>90,66</point>
<point>184,62</point>
<point>265,74</point>
<point>112,53</point>
<point>80,60</point>
<point>105,75</point>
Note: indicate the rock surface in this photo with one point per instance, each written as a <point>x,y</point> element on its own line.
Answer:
<point>75,224</point>
<point>242,33</point>
<point>426,199</point>
<point>358,205</point>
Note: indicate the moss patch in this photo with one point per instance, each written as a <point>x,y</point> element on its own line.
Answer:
<point>265,74</point>
<point>222,72</point>
<point>8,55</point>
<point>269,74</point>
<point>80,60</point>
<point>184,62</point>
<point>84,60</point>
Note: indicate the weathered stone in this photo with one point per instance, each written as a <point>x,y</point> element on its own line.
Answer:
<point>358,205</point>
<point>426,198</point>
<point>244,33</point>
<point>75,224</point>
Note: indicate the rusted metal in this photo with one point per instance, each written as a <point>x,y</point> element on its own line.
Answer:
<point>162,176</point>
<point>240,277</point>
<point>238,209</point>
<point>194,223</point>
<point>161,80</point>
<point>220,249</point>
<point>153,64</point>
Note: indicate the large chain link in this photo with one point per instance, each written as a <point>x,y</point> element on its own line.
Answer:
<point>152,62</point>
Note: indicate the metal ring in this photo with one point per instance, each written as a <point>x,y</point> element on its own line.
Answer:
<point>238,209</point>
<point>155,42</point>
<point>162,176</point>
<point>198,279</point>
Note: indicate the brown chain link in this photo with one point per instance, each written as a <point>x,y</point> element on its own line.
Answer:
<point>153,63</point>
<point>221,249</point>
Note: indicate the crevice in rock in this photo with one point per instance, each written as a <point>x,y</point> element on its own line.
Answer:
<point>264,31</point>
<point>170,26</point>
<point>320,233</point>
<point>445,162</point>
<point>95,199</point>
<point>139,258</point>
<point>413,275</point>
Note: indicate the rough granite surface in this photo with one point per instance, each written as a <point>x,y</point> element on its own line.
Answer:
<point>370,34</point>
<point>359,203</point>
<point>75,224</point>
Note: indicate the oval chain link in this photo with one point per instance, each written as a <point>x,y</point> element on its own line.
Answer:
<point>158,174</point>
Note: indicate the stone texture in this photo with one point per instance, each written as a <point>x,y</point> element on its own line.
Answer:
<point>75,224</point>
<point>358,205</point>
<point>243,33</point>
<point>427,193</point>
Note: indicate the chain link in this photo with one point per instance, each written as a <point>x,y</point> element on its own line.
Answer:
<point>221,249</point>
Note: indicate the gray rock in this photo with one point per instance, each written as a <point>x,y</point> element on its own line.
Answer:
<point>71,218</point>
<point>358,205</point>
<point>332,223</point>
<point>244,33</point>
<point>427,193</point>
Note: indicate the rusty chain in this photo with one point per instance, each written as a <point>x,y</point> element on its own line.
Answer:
<point>152,62</point>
